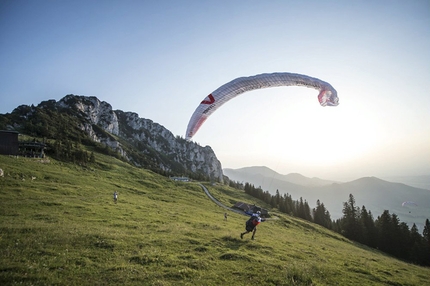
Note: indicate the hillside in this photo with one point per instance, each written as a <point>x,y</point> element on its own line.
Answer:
<point>59,225</point>
<point>87,120</point>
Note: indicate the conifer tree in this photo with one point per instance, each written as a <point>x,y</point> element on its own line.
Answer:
<point>321,215</point>
<point>426,234</point>
<point>383,224</point>
<point>369,230</point>
<point>277,198</point>
<point>416,246</point>
<point>351,226</point>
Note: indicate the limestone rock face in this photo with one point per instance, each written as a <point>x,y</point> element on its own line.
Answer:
<point>144,134</point>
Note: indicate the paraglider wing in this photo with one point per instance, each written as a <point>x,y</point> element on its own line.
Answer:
<point>409,203</point>
<point>327,94</point>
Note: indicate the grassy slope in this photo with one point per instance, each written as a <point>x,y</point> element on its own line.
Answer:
<point>63,228</point>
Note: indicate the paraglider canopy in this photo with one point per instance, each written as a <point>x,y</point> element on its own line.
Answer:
<point>409,203</point>
<point>327,94</point>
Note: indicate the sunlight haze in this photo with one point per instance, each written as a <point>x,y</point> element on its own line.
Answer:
<point>160,59</point>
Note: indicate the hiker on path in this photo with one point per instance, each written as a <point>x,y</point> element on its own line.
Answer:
<point>225,216</point>
<point>251,224</point>
<point>115,196</point>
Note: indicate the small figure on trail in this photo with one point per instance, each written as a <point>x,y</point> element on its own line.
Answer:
<point>251,224</point>
<point>115,196</point>
<point>225,216</point>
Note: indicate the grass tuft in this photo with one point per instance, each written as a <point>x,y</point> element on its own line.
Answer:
<point>234,256</point>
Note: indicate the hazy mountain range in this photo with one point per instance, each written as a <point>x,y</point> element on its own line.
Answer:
<point>375,194</point>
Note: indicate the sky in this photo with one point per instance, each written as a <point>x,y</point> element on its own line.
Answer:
<point>160,59</point>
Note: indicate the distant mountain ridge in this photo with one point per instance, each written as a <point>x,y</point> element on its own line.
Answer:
<point>266,172</point>
<point>375,194</point>
<point>422,182</point>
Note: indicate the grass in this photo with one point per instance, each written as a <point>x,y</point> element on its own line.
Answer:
<point>60,226</point>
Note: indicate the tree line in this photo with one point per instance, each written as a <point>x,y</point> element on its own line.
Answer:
<point>385,233</point>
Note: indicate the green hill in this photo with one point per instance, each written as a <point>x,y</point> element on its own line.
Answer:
<point>60,226</point>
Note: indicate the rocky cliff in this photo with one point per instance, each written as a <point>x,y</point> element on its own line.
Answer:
<point>134,137</point>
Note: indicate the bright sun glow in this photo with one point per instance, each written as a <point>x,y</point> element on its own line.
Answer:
<point>293,126</point>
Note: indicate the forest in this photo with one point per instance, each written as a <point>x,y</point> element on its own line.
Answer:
<point>385,232</point>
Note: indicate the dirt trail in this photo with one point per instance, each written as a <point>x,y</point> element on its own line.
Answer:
<point>228,208</point>
<point>220,204</point>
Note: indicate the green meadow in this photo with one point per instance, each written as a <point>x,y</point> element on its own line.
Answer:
<point>59,225</point>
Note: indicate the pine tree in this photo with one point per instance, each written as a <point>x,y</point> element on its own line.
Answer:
<point>328,220</point>
<point>383,224</point>
<point>307,209</point>
<point>283,205</point>
<point>277,198</point>
<point>317,215</point>
<point>426,234</point>
<point>301,209</point>
<point>321,215</point>
<point>351,226</point>
<point>289,204</point>
<point>403,241</point>
<point>369,230</point>
<point>417,245</point>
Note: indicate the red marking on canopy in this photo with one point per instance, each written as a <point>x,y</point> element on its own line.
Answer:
<point>210,101</point>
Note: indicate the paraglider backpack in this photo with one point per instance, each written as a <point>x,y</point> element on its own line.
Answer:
<point>252,222</point>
